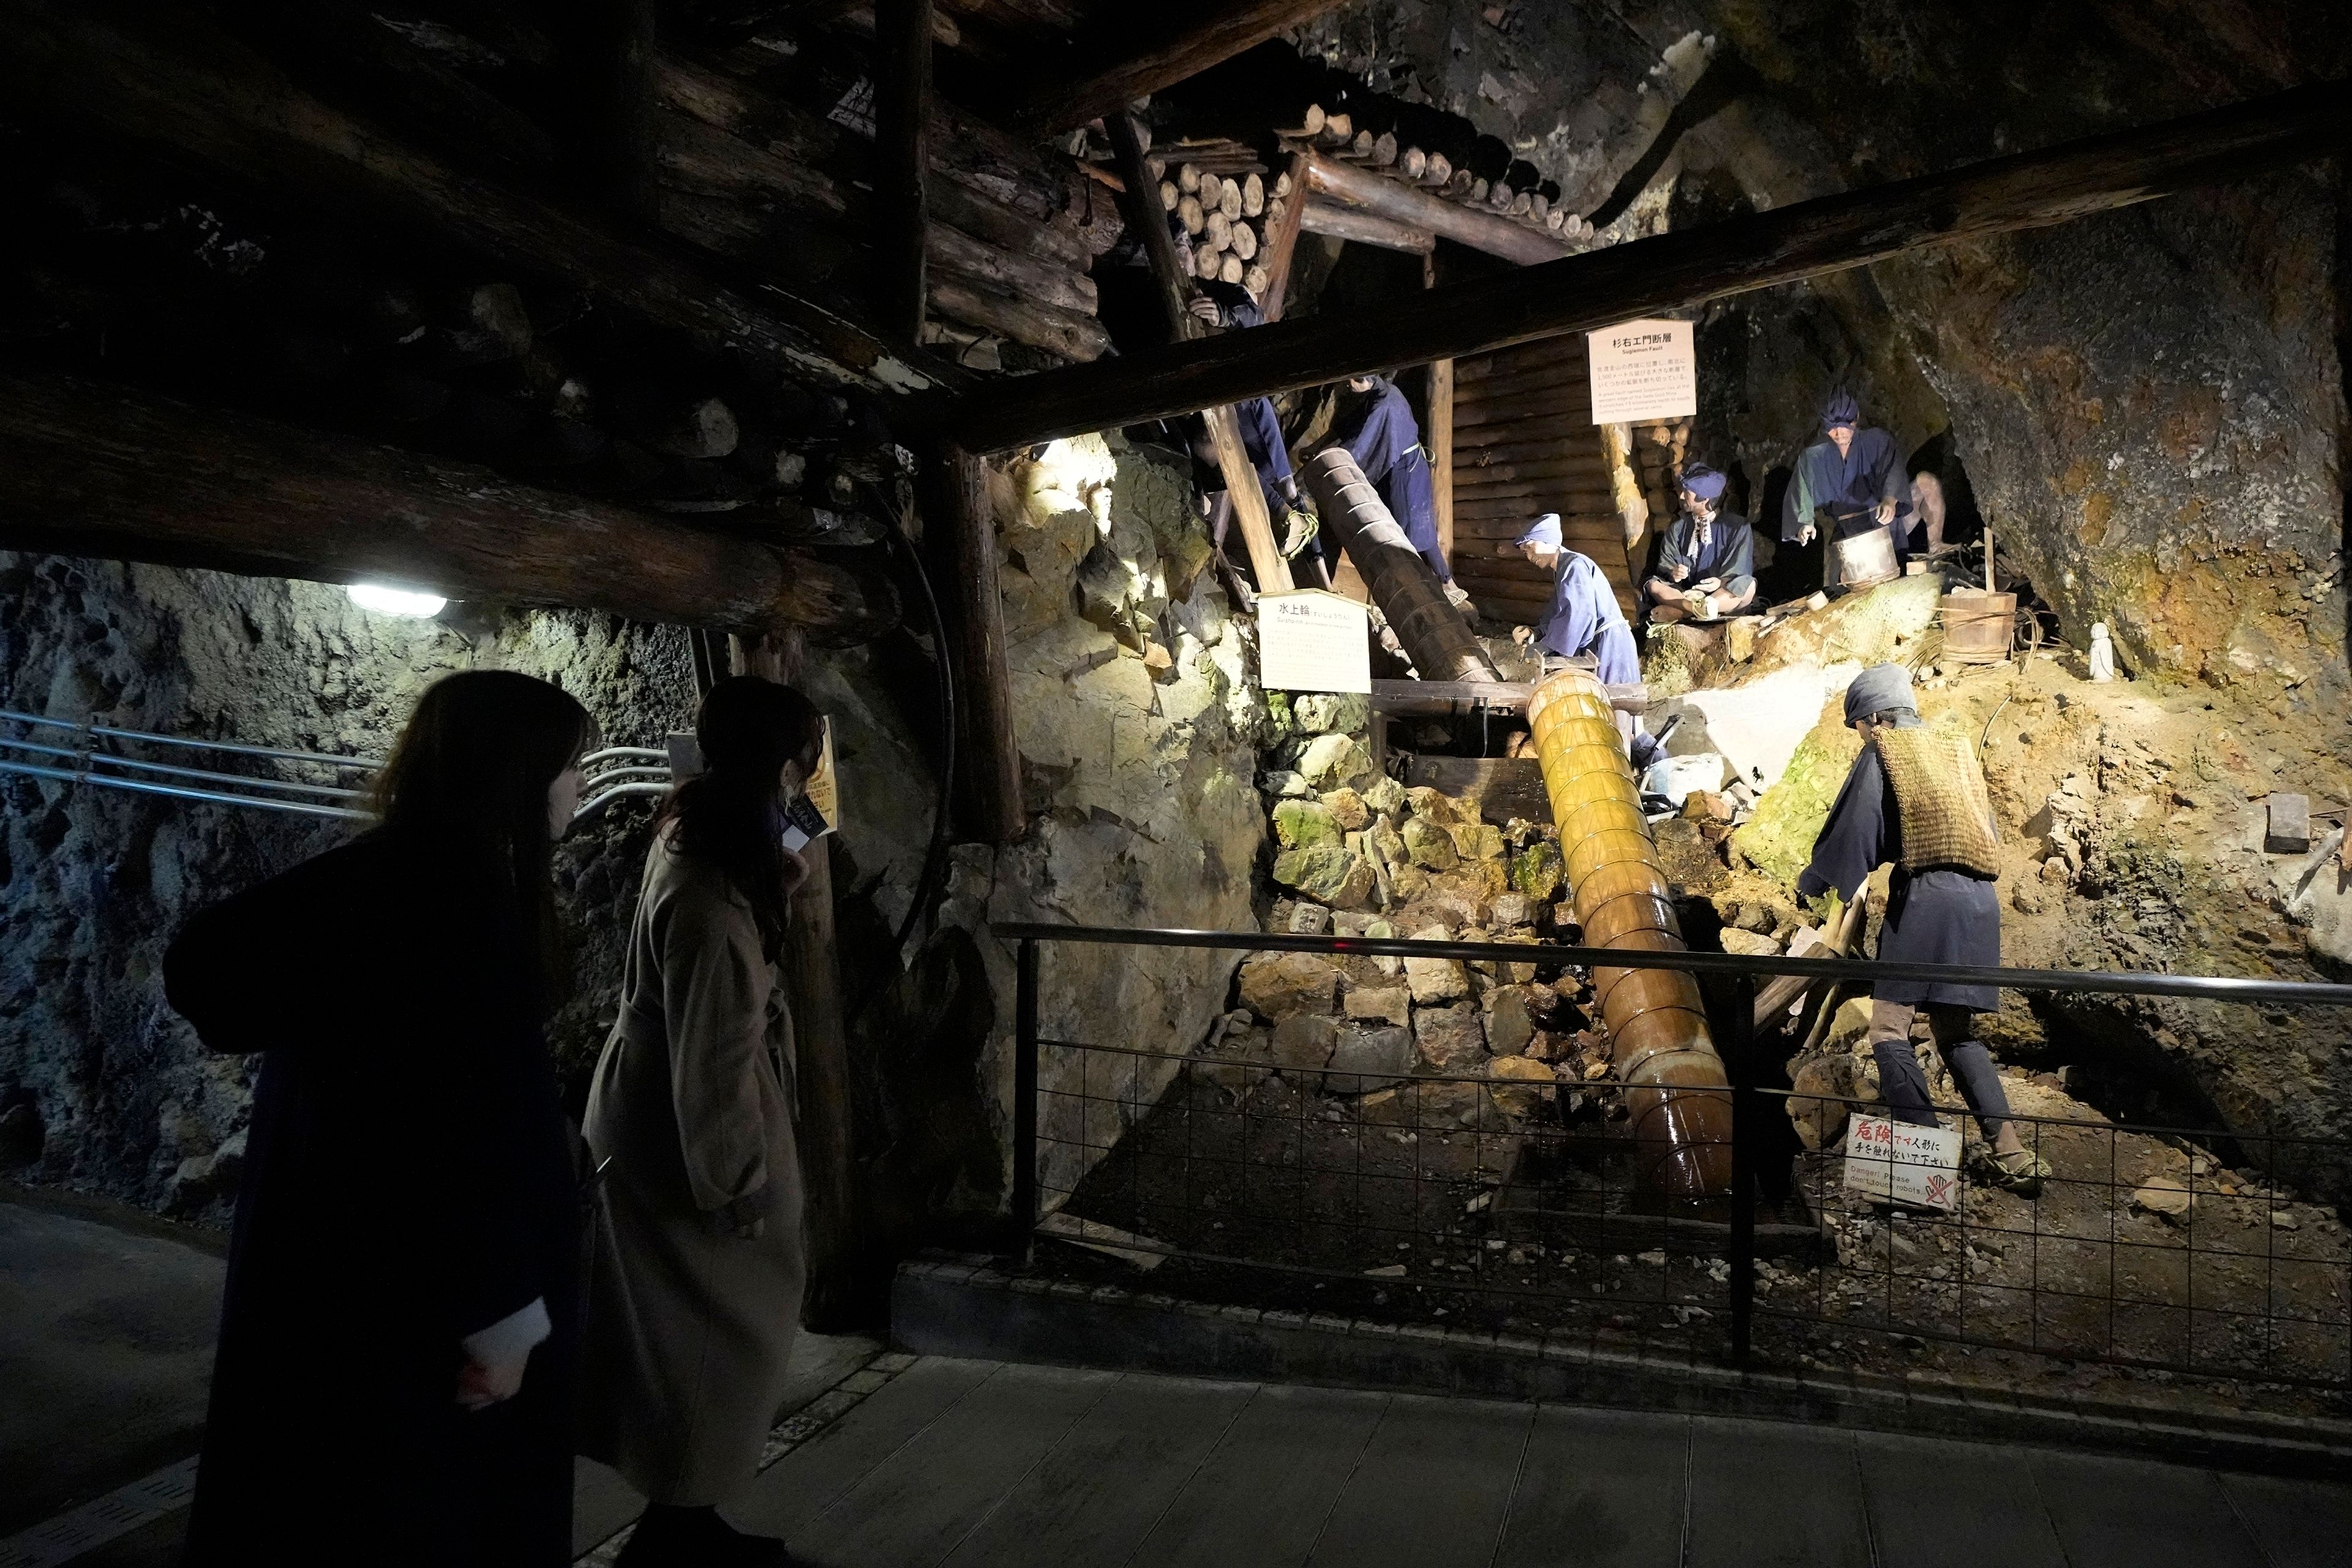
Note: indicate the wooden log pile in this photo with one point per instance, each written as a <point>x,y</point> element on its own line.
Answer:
<point>745,171</point>
<point>1524,444</point>
<point>1226,200</point>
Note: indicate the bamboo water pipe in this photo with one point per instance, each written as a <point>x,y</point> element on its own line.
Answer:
<point>1427,626</point>
<point>1658,1025</point>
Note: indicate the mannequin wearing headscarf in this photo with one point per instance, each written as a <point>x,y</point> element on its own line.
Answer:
<point>1231,306</point>
<point>1934,914</point>
<point>1856,472</point>
<point>1583,619</point>
<point>1705,562</point>
<point>1385,440</point>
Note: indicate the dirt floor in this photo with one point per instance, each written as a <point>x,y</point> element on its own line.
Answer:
<point>1429,1200</point>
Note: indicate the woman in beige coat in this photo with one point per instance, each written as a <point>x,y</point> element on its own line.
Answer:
<point>695,1288</point>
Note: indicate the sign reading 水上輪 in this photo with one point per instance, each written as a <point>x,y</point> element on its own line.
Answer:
<point>1903,1163</point>
<point>1642,370</point>
<point>1313,640</point>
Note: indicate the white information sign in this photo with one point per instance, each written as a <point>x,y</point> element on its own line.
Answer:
<point>1313,640</point>
<point>1903,1163</point>
<point>1642,370</point>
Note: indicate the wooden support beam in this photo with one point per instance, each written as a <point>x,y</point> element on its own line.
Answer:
<point>163,75</point>
<point>1672,272</point>
<point>1317,216</point>
<point>1441,432</point>
<point>902,112</point>
<point>1140,204</point>
<point>87,468</point>
<point>1373,193</point>
<point>960,534</point>
<point>1282,240</point>
<point>1118,63</point>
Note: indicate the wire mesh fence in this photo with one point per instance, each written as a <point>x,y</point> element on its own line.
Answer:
<point>1522,1205</point>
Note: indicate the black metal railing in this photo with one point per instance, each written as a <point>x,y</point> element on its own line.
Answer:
<point>1384,1189</point>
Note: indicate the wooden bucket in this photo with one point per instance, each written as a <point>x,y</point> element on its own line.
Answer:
<point>1978,627</point>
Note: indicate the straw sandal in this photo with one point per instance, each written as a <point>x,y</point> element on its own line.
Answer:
<point>2021,1171</point>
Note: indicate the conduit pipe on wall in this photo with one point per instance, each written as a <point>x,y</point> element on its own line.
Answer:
<point>1657,1024</point>
<point>1427,626</point>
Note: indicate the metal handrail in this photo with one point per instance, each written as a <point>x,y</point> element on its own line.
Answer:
<point>363,764</point>
<point>2202,987</point>
<point>182,791</point>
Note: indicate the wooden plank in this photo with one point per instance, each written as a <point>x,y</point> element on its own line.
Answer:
<point>1119,60</point>
<point>838,1272</point>
<point>2115,1513</point>
<point>165,76</point>
<point>1561,403</point>
<point>1432,1488</point>
<point>1744,1508</point>
<point>1610,1481</point>
<point>1441,432</point>
<point>914,1507</point>
<point>988,791</point>
<point>1282,242</point>
<point>91,469</point>
<point>1262,1497</point>
<point>1504,787</point>
<point>794,1490</point>
<point>1097,1495</point>
<point>1415,208</point>
<point>1670,271</point>
<point>1927,1499</point>
<point>902,115</point>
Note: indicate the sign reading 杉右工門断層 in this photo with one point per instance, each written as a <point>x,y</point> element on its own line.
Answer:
<point>1901,1163</point>
<point>1313,640</point>
<point>1642,370</point>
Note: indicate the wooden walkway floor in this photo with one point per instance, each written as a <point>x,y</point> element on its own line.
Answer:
<point>962,1464</point>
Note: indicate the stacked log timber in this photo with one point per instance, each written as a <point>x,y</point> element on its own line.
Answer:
<point>1221,195</point>
<point>745,171</point>
<point>1524,443</point>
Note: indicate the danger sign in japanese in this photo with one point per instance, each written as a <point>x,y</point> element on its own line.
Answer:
<point>1903,1164</point>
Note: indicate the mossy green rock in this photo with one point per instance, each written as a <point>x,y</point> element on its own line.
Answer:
<point>1429,845</point>
<point>1303,824</point>
<point>1383,796</point>
<point>1778,841</point>
<point>1330,760</point>
<point>1477,841</point>
<point>1326,873</point>
<point>1537,870</point>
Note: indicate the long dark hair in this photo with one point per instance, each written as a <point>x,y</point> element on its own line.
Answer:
<point>726,815</point>
<point>471,771</point>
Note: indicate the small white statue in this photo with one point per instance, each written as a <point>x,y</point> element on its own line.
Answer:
<point>2103,653</point>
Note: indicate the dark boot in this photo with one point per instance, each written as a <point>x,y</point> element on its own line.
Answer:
<point>697,1538</point>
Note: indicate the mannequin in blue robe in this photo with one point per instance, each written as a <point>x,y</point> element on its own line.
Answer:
<point>1705,562</point>
<point>1856,473</point>
<point>1583,619</point>
<point>1385,441</point>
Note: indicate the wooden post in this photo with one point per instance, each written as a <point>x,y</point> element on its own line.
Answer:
<point>902,112</point>
<point>1282,240</point>
<point>91,469</point>
<point>1441,432</point>
<point>1142,204</point>
<point>1671,271</point>
<point>964,556</point>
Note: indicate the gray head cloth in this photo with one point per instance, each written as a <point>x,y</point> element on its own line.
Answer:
<point>1877,689</point>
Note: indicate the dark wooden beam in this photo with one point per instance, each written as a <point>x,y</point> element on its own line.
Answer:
<point>902,113</point>
<point>163,75</point>
<point>87,468</point>
<point>1281,248</point>
<point>1580,294</point>
<point>1376,196</point>
<point>1122,62</point>
<point>959,534</point>
<point>1440,438</point>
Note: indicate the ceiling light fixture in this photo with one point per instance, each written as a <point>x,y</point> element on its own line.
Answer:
<point>386,600</point>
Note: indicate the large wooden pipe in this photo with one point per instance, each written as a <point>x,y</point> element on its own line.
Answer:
<point>1432,631</point>
<point>1658,1025</point>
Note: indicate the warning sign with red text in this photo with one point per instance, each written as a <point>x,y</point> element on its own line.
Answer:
<point>1902,1163</point>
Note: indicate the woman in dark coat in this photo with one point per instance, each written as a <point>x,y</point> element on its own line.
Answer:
<point>395,1379</point>
<point>1941,907</point>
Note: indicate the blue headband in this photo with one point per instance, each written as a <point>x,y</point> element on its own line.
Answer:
<point>1544,530</point>
<point>1839,408</point>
